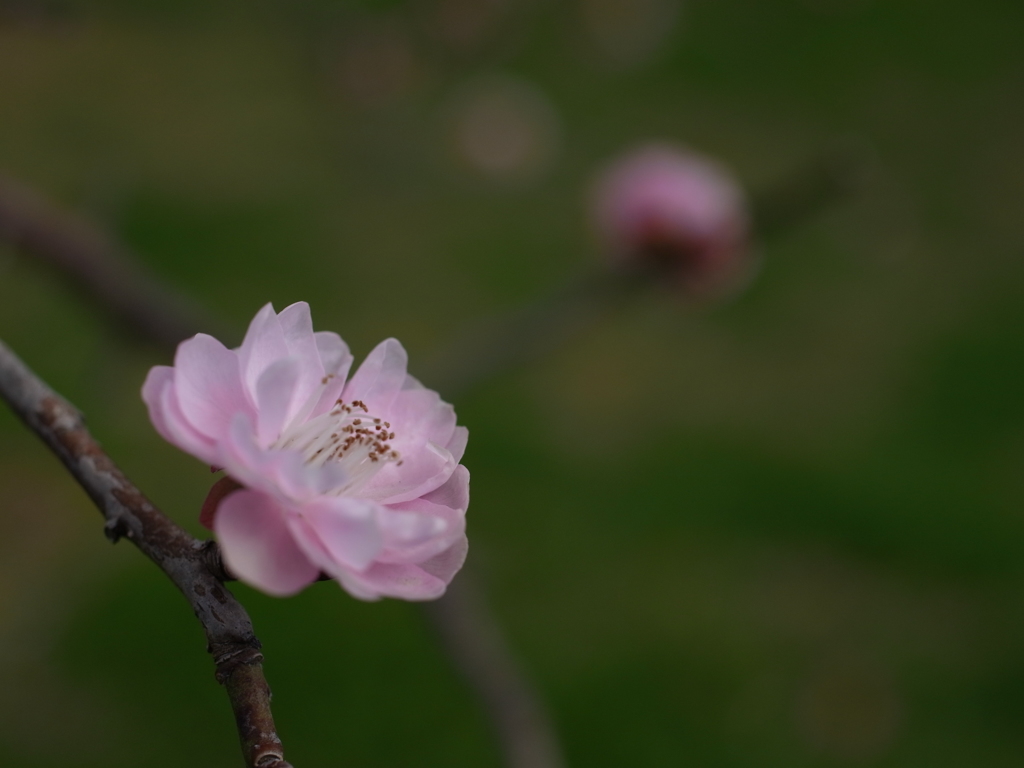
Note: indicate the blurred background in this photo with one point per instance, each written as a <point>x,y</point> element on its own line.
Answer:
<point>786,530</point>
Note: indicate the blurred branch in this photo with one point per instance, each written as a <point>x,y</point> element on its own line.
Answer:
<point>194,566</point>
<point>533,331</point>
<point>462,619</point>
<point>96,266</point>
<point>494,346</point>
<point>472,637</point>
<point>833,176</point>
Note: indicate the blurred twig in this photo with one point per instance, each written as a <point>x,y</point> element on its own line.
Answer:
<point>527,333</point>
<point>473,640</point>
<point>194,566</point>
<point>532,331</point>
<point>491,347</point>
<point>834,175</point>
<point>98,267</point>
<point>463,620</point>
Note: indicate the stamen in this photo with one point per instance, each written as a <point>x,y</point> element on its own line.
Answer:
<point>339,437</point>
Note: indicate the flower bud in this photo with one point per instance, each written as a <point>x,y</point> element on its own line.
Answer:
<point>671,210</point>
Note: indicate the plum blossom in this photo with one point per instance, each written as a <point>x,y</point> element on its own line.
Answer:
<point>673,210</point>
<point>355,477</point>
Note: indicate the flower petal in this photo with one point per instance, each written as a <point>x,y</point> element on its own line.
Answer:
<point>380,377</point>
<point>418,530</point>
<point>337,361</point>
<point>297,325</point>
<point>409,582</point>
<point>420,416</point>
<point>457,445</point>
<point>334,353</point>
<point>158,394</point>
<point>454,494</point>
<point>258,546</point>
<point>208,385</point>
<point>276,392</point>
<point>282,474</point>
<point>446,564</point>
<point>347,531</point>
<point>264,343</point>
<point>422,471</point>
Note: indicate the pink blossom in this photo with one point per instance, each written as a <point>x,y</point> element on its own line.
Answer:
<point>358,478</point>
<point>676,211</point>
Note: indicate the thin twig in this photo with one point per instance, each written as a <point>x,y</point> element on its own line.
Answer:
<point>461,617</point>
<point>535,330</point>
<point>833,175</point>
<point>473,640</point>
<point>194,566</point>
<point>493,346</point>
<point>97,266</point>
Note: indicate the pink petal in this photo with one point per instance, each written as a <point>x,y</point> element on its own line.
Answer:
<point>438,522</point>
<point>334,353</point>
<point>346,532</point>
<point>380,377</point>
<point>423,425</point>
<point>421,471</point>
<point>413,535</point>
<point>454,494</point>
<point>419,416</point>
<point>419,531</point>
<point>446,564</point>
<point>158,394</point>
<point>258,547</point>
<point>336,361</point>
<point>409,582</point>
<point>276,392</point>
<point>297,326</point>
<point>208,385</point>
<point>457,445</point>
<point>283,474</point>
<point>264,344</point>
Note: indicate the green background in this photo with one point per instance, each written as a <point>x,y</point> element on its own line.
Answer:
<point>783,531</point>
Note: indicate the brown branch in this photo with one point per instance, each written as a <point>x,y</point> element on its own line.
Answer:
<point>194,566</point>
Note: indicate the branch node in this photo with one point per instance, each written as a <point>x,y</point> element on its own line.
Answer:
<point>114,529</point>
<point>228,659</point>
<point>210,554</point>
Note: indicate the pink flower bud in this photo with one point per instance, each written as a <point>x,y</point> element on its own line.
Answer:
<point>672,210</point>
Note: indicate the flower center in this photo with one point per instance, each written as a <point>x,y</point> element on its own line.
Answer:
<point>348,435</point>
